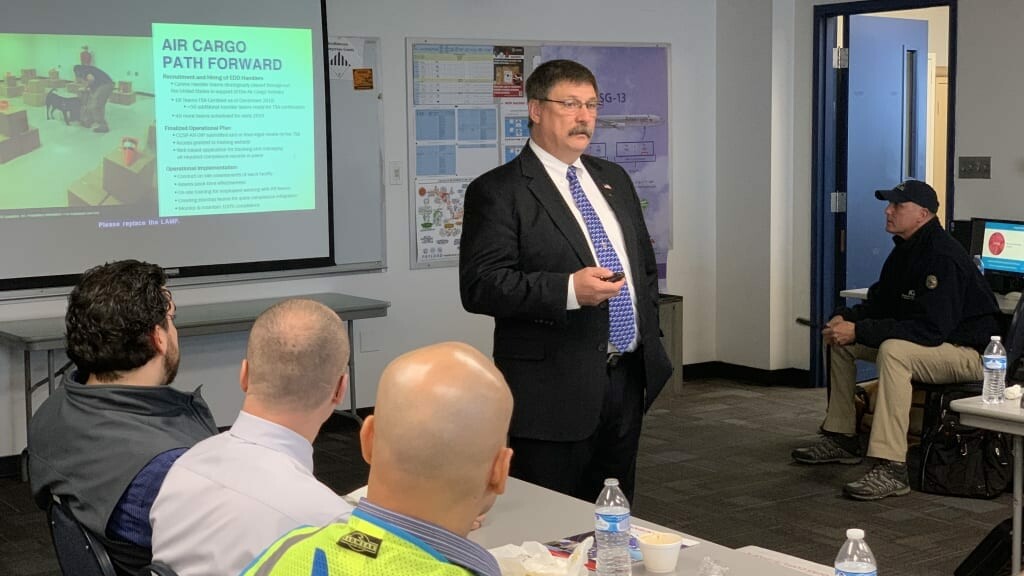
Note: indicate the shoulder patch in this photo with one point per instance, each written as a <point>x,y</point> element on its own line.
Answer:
<point>361,543</point>
<point>931,282</point>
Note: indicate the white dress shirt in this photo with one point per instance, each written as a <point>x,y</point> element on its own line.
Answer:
<point>557,170</point>
<point>230,496</point>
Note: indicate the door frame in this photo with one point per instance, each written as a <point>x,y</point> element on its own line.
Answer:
<point>828,143</point>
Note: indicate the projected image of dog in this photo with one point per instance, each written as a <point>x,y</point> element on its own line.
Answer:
<point>69,107</point>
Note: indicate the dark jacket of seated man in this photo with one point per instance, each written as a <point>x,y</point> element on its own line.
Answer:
<point>929,292</point>
<point>105,449</point>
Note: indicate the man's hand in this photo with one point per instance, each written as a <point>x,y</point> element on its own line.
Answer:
<point>839,332</point>
<point>591,290</point>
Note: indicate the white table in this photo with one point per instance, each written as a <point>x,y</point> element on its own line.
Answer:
<point>1008,418</point>
<point>529,512</point>
<point>47,334</point>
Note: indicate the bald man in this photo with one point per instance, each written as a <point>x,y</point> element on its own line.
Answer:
<point>231,496</point>
<point>437,455</point>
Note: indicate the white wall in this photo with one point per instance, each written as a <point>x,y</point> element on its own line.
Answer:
<point>989,122</point>
<point>744,175</point>
<point>425,303</point>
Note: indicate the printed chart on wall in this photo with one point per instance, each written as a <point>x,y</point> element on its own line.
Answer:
<point>468,114</point>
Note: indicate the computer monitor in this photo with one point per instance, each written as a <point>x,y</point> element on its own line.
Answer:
<point>1000,244</point>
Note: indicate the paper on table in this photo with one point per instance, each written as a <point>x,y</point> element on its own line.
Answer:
<point>565,546</point>
<point>534,559</point>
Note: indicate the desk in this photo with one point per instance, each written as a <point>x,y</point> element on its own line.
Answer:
<point>1009,419</point>
<point>1007,305</point>
<point>528,512</point>
<point>47,334</point>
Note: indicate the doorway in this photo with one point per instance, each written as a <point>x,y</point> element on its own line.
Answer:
<point>884,78</point>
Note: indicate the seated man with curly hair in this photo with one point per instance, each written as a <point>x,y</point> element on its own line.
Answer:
<point>104,441</point>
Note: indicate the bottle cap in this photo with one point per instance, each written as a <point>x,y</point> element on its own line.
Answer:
<point>997,338</point>
<point>855,534</point>
<point>611,481</point>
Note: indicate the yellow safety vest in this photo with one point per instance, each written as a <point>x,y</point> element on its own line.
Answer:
<point>358,547</point>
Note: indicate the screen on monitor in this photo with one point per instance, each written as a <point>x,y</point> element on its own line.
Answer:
<point>191,134</point>
<point>1000,245</point>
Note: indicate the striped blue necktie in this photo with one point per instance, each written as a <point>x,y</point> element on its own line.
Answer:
<point>620,308</point>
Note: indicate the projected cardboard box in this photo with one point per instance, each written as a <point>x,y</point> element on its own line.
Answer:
<point>116,182</point>
<point>123,98</point>
<point>35,92</point>
<point>16,137</point>
<point>11,89</point>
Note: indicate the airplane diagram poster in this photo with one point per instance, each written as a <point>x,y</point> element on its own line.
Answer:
<point>632,125</point>
<point>465,121</point>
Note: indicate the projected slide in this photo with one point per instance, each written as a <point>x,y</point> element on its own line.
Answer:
<point>230,111</point>
<point>54,140</point>
<point>192,134</point>
<point>236,117</point>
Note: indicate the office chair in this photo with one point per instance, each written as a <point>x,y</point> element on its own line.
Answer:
<point>79,552</point>
<point>157,569</point>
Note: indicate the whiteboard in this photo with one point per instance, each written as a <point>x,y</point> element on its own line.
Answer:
<point>357,177</point>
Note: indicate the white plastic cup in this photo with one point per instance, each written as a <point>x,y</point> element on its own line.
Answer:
<point>660,551</point>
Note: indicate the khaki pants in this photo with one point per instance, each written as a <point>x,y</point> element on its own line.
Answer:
<point>898,363</point>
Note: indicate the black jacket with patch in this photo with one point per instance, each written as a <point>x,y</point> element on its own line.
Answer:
<point>929,292</point>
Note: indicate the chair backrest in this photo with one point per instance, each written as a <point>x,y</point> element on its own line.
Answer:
<point>1014,341</point>
<point>78,551</point>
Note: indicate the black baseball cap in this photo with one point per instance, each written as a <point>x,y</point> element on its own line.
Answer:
<point>914,191</point>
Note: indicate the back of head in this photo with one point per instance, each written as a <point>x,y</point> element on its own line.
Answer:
<point>440,421</point>
<point>111,315</point>
<point>298,350</point>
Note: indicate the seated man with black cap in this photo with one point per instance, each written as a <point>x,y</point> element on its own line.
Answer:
<point>928,318</point>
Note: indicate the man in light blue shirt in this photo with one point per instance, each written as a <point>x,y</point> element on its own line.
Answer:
<point>437,455</point>
<point>229,497</point>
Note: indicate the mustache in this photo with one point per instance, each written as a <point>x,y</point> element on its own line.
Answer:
<point>581,129</point>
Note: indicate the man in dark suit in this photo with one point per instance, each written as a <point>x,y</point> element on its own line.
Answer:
<point>544,238</point>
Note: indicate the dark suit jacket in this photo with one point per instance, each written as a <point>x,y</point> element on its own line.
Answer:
<point>520,242</point>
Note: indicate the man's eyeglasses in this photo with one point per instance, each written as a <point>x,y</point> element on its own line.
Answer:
<point>572,105</point>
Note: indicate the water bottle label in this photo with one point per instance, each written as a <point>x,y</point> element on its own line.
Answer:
<point>845,573</point>
<point>611,522</point>
<point>994,362</point>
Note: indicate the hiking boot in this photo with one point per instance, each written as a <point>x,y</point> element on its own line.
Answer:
<point>831,448</point>
<point>887,478</point>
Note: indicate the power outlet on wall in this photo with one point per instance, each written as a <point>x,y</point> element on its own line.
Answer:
<point>975,167</point>
<point>395,172</point>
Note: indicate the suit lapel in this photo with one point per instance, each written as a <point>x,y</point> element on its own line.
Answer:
<point>540,185</point>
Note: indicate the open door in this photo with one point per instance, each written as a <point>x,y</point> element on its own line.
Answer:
<point>870,133</point>
<point>886,136</point>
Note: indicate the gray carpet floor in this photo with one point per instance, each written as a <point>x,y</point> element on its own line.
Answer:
<point>714,463</point>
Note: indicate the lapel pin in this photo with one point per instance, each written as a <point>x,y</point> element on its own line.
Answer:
<point>607,186</point>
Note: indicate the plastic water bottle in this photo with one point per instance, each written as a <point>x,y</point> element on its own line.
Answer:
<point>994,364</point>
<point>855,558</point>
<point>611,531</point>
